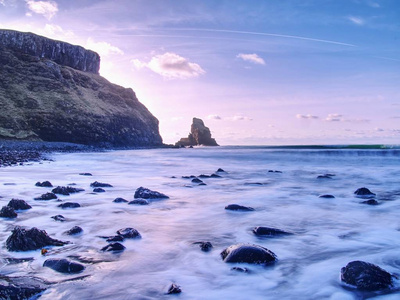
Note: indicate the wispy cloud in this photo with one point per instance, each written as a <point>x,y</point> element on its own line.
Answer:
<point>334,118</point>
<point>2,2</point>
<point>253,58</point>
<point>46,8</point>
<point>356,20</point>
<point>55,30</point>
<point>171,65</point>
<point>239,118</point>
<point>310,117</point>
<point>214,117</point>
<point>103,48</point>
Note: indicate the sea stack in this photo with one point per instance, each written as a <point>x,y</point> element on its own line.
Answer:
<point>199,135</point>
<point>52,91</point>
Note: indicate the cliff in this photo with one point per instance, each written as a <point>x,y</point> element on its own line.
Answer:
<point>199,135</point>
<point>51,91</point>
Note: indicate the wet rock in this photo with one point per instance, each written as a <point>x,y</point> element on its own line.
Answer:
<point>362,192</point>
<point>100,184</point>
<point>247,253</point>
<point>44,184</point>
<point>215,176</point>
<point>327,196</point>
<point>60,218</point>
<point>370,202</point>
<point>239,269</point>
<point>66,190</point>
<point>114,247</point>
<point>204,246</point>
<point>99,190</point>
<point>203,176</point>
<point>253,183</point>
<point>220,170</point>
<point>47,196</point>
<point>120,200</point>
<point>237,207</point>
<point>14,260</point>
<point>19,288</point>
<point>188,177</point>
<point>18,204</point>
<point>274,171</point>
<point>117,238</point>
<point>269,232</point>
<point>74,230</point>
<point>196,180</point>
<point>366,276</point>
<point>63,266</point>
<point>140,202</point>
<point>202,184</point>
<point>69,205</point>
<point>129,233</point>
<point>149,194</point>
<point>8,212</point>
<point>86,174</point>
<point>174,289</point>
<point>325,176</point>
<point>32,239</point>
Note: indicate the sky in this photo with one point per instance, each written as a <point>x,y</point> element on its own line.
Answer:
<point>258,72</point>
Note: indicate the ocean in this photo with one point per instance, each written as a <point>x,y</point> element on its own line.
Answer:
<point>282,186</point>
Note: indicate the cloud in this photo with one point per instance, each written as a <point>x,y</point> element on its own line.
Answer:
<point>374,4</point>
<point>253,58</point>
<point>300,116</point>
<point>240,118</point>
<point>103,48</point>
<point>357,20</point>
<point>171,65</point>
<point>46,8</point>
<point>2,2</point>
<point>214,117</point>
<point>334,118</point>
<point>55,30</point>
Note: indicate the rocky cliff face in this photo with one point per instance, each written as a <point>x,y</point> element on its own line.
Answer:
<point>199,135</point>
<point>51,91</point>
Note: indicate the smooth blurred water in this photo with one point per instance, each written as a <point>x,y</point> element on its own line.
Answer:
<point>329,233</point>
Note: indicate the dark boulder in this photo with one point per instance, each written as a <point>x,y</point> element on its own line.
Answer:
<point>47,196</point>
<point>117,238</point>
<point>174,289</point>
<point>274,171</point>
<point>327,196</point>
<point>19,288</point>
<point>8,212</point>
<point>220,170</point>
<point>69,205</point>
<point>269,232</point>
<point>202,184</point>
<point>364,192</point>
<point>18,204</point>
<point>113,247</point>
<point>99,190</point>
<point>100,184</point>
<point>86,174</point>
<point>366,276</point>
<point>203,176</point>
<point>188,177</point>
<point>145,193</point>
<point>120,200</point>
<point>240,269</point>
<point>44,184</point>
<point>74,230</point>
<point>237,207</point>
<point>325,176</point>
<point>196,180</point>
<point>215,176</point>
<point>60,218</point>
<point>66,190</point>
<point>246,253</point>
<point>32,239</point>
<point>63,266</point>
<point>140,202</point>
<point>129,233</point>
<point>370,202</point>
<point>204,246</point>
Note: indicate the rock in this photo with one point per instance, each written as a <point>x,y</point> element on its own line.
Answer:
<point>117,238</point>
<point>47,196</point>
<point>202,183</point>
<point>114,247</point>
<point>269,232</point>
<point>145,193</point>
<point>174,289</point>
<point>99,190</point>
<point>362,192</point>
<point>129,233</point>
<point>19,288</point>
<point>327,196</point>
<point>237,207</point>
<point>32,239</point>
<point>100,184</point>
<point>86,174</point>
<point>204,246</point>
<point>51,91</point>
<point>8,212</point>
<point>215,176</point>
<point>199,135</point>
<point>60,218</point>
<point>325,176</point>
<point>274,171</point>
<point>120,200</point>
<point>66,190</point>
<point>14,260</point>
<point>196,180</point>
<point>69,205</point>
<point>220,170</point>
<point>44,184</point>
<point>189,177</point>
<point>140,202</point>
<point>366,276</point>
<point>18,204</point>
<point>203,176</point>
<point>239,269</point>
<point>74,230</point>
<point>63,266</point>
<point>246,253</point>
<point>370,202</point>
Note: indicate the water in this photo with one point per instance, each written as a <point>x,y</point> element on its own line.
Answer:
<point>329,233</point>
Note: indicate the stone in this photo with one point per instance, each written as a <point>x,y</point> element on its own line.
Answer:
<point>18,204</point>
<point>129,233</point>
<point>8,212</point>
<point>20,288</point>
<point>196,180</point>
<point>140,202</point>
<point>86,174</point>
<point>247,253</point>
<point>199,135</point>
<point>366,276</point>
<point>99,190</point>
<point>74,230</point>
<point>362,192</point>
<point>269,232</point>
<point>63,266</point>
<point>47,196</point>
<point>326,196</point>
<point>325,176</point>
<point>69,205</point>
<point>204,246</point>
<point>120,200</point>
<point>215,176</point>
<point>370,202</point>
<point>32,239</point>
<point>100,184</point>
<point>174,289</point>
<point>60,218</point>
<point>66,190</point>
<point>44,184</point>
<point>240,269</point>
<point>274,171</point>
<point>115,247</point>
<point>117,238</point>
<point>220,170</point>
<point>145,193</point>
<point>237,207</point>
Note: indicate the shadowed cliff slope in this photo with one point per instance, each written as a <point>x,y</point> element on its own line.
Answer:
<point>42,99</point>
